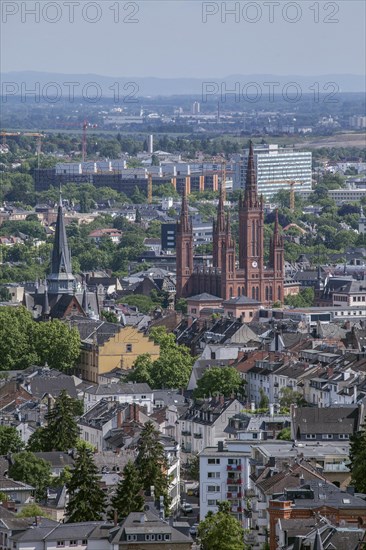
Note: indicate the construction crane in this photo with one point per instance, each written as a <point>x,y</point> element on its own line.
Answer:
<point>86,125</point>
<point>149,188</point>
<point>4,133</point>
<point>292,184</point>
<point>223,180</point>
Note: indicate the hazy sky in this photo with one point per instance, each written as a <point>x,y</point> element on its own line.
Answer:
<point>170,38</point>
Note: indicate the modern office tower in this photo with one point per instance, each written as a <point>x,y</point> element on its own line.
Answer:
<point>275,168</point>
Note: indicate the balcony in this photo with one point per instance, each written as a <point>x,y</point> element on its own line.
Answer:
<point>233,481</point>
<point>249,493</point>
<point>340,467</point>
<point>233,468</point>
<point>233,496</point>
<point>186,432</point>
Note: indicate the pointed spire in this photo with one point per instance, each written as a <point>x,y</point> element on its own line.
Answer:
<point>84,303</point>
<point>46,304</point>
<point>61,278</point>
<point>221,212</point>
<point>229,239</point>
<point>251,197</point>
<point>185,224</point>
<point>61,261</point>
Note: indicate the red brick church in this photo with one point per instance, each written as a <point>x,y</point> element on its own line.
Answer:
<point>228,278</point>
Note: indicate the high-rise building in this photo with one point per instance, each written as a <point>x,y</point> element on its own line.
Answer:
<point>196,108</point>
<point>275,168</point>
<point>150,144</point>
<point>227,279</point>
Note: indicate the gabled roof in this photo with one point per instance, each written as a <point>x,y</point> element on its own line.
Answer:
<point>329,420</point>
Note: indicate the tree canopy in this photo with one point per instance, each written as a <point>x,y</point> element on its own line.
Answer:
<point>35,471</point>
<point>10,441</point>
<point>152,464</point>
<point>171,370</point>
<point>61,432</point>
<point>357,457</point>
<point>221,530</point>
<point>25,342</point>
<point>219,380</point>
<point>128,497</point>
<point>86,498</point>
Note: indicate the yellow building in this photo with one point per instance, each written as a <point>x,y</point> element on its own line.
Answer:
<point>106,346</point>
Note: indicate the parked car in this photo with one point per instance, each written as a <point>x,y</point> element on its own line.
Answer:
<point>193,530</point>
<point>186,508</point>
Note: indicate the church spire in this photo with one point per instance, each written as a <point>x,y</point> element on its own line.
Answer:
<point>185,224</point>
<point>220,226</point>
<point>61,278</point>
<point>251,197</point>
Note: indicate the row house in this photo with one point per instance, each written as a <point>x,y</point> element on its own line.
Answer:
<point>138,393</point>
<point>224,475</point>
<point>204,423</point>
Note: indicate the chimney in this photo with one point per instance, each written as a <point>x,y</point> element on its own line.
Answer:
<point>136,413</point>
<point>131,414</point>
<point>119,419</point>
<point>330,371</point>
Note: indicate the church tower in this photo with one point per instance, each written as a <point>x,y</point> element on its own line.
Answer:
<point>184,250</point>
<point>61,279</point>
<point>251,234</point>
<point>228,271</point>
<point>277,257</point>
<point>219,233</point>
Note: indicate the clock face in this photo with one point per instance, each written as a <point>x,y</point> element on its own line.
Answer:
<point>254,264</point>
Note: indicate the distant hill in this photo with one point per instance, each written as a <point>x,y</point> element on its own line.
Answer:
<point>151,86</point>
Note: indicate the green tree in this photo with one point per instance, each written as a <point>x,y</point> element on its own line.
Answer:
<point>219,380</point>
<point>31,511</point>
<point>305,298</point>
<point>152,464</point>
<point>128,497</point>
<point>142,369</point>
<point>143,303</point>
<point>285,434</point>
<point>110,316</point>
<point>221,530</point>
<point>56,344</point>
<point>62,432</point>
<point>35,471</point>
<point>289,397</point>
<point>171,370</point>
<point>181,305</point>
<point>357,457</point>
<point>16,333</point>
<point>86,498</point>
<point>10,441</point>
<point>264,400</point>
<point>194,468</point>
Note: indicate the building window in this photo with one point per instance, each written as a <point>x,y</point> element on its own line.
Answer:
<point>213,474</point>
<point>310,436</point>
<point>213,461</point>
<point>73,542</point>
<point>128,348</point>
<point>60,543</point>
<point>166,537</point>
<point>343,436</point>
<point>84,542</point>
<point>194,310</point>
<point>211,502</point>
<point>327,436</point>
<point>213,488</point>
<point>131,537</point>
